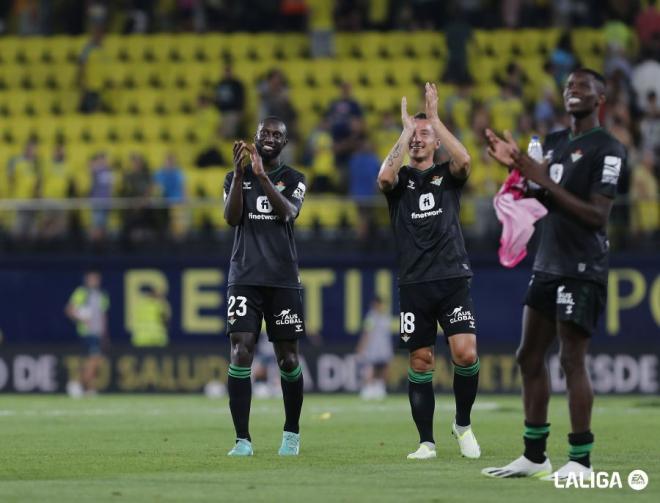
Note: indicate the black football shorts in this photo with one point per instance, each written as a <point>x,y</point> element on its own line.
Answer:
<point>567,299</point>
<point>424,305</point>
<point>281,308</point>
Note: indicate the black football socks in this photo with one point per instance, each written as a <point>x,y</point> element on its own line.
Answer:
<point>580,447</point>
<point>239,388</point>
<point>466,382</point>
<point>422,403</point>
<point>535,437</point>
<point>292,393</point>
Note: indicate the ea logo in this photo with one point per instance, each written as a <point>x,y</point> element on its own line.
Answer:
<point>426,202</point>
<point>263,205</point>
<point>556,171</point>
<point>638,480</point>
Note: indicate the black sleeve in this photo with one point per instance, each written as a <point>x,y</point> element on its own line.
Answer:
<point>295,191</point>
<point>606,169</point>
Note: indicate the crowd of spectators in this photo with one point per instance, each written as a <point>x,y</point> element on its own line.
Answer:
<point>341,154</point>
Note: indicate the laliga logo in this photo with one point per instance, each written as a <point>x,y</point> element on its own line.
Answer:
<point>637,480</point>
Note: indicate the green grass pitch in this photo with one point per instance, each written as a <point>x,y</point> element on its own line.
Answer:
<point>121,448</point>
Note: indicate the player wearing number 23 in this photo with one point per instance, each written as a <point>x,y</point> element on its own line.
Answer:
<point>263,197</point>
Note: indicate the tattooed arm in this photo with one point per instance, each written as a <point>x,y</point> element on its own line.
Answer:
<point>388,175</point>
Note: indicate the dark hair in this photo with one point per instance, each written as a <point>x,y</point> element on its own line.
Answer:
<point>420,115</point>
<point>597,76</point>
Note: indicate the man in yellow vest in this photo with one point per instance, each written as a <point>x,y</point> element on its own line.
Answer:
<point>149,319</point>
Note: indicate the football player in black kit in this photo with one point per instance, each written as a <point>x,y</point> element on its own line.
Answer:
<point>262,199</point>
<point>568,289</point>
<point>434,270</point>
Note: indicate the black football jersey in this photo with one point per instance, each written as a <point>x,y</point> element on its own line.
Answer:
<point>590,163</point>
<point>264,252</point>
<point>424,209</point>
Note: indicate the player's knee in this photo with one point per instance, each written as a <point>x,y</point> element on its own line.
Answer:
<point>422,360</point>
<point>465,356</point>
<point>571,362</point>
<point>528,362</point>
<point>241,353</point>
<point>288,362</point>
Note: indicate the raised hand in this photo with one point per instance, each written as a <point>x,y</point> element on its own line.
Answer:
<point>431,100</point>
<point>406,120</point>
<point>502,150</point>
<point>255,158</point>
<point>240,151</point>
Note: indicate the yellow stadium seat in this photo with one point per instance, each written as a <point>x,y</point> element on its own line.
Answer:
<point>9,49</point>
<point>371,45</point>
<point>323,71</point>
<point>291,46</point>
<point>240,46</point>
<point>64,75</point>
<point>189,48</point>
<point>141,75</point>
<point>378,73</point>
<point>263,46</point>
<point>159,48</point>
<point>32,50</point>
<point>67,102</point>
<point>179,127</point>
<point>62,49</point>
<point>214,47</point>
<point>18,103</point>
<point>347,45</point>
<point>295,71</point>
<point>14,76</point>
<point>428,44</point>
<point>353,71</point>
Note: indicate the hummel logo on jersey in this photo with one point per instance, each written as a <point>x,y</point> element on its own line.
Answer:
<point>576,156</point>
<point>411,184</point>
<point>436,180</point>
<point>231,321</point>
<point>284,318</point>
<point>247,185</point>
<point>458,315</point>
<point>280,186</point>
<point>565,299</point>
<point>263,205</point>
<point>548,155</point>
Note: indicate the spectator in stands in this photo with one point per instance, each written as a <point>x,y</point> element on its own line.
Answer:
<point>170,183</point>
<point>650,124</point>
<point>23,182</point>
<point>102,179</point>
<point>207,132</point>
<point>321,28</point>
<point>230,100</point>
<point>324,176</point>
<point>647,24</point>
<point>140,221</point>
<point>275,102</point>
<point>644,194</point>
<point>563,59</point>
<point>56,184</point>
<point>363,167</point>
<point>346,124</point>
<point>505,109</point>
<point>514,78</point>
<point>90,71</point>
<point>646,79</point>
<point>170,180</point>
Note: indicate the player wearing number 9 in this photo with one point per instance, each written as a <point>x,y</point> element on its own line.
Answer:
<point>263,197</point>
